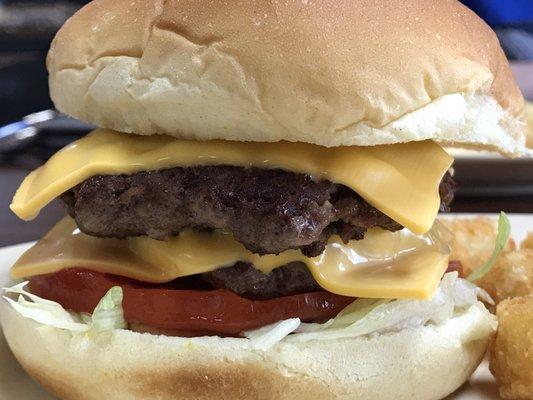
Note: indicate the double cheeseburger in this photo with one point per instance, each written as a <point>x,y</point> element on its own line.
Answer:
<point>255,218</point>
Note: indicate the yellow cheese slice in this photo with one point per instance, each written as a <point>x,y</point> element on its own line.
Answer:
<point>400,180</point>
<point>383,265</point>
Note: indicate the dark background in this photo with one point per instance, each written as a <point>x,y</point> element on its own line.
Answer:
<point>27,28</point>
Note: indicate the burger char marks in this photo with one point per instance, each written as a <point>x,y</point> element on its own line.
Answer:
<point>268,211</point>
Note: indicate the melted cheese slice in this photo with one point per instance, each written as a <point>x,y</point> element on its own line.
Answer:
<point>400,180</point>
<point>383,265</point>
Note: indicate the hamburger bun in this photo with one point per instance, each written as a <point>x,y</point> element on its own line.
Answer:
<point>329,72</point>
<point>415,363</point>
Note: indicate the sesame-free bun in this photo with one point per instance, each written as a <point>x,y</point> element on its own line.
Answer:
<point>425,363</point>
<point>329,72</point>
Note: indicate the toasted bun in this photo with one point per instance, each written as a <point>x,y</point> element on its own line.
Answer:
<point>329,72</point>
<point>417,364</point>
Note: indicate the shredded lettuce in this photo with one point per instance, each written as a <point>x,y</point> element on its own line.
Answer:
<point>383,316</point>
<point>267,336</point>
<point>43,311</point>
<point>107,315</point>
<point>366,317</point>
<point>351,314</point>
<point>363,317</point>
<point>504,230</point>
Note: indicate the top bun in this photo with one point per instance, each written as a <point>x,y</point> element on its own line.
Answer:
<point>329,72</point>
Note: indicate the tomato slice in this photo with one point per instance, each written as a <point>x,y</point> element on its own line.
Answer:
<point>220,312</point>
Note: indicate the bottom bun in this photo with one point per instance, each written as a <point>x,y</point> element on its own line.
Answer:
<point>415,363</point>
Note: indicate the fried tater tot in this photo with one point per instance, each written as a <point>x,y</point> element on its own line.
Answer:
<point>511,276</point>
<point>511,359</point>
<point>527,243</point>
<point>473,241</point>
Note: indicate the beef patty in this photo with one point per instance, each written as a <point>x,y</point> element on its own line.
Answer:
<point>268,211</point>
<point>249,282</point>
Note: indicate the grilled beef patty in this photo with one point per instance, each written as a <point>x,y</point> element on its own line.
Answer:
<point>249,282</point>
<point>268,211</point>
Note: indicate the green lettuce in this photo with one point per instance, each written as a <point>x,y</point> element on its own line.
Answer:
<point>108,314</point>
<point>43,311</point>
<point>504,230</point>
<point>366,316</point>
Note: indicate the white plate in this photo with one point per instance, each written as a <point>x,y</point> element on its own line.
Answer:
<point>15,384</point>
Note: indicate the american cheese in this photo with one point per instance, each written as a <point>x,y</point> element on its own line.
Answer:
<point>383,265</point>
<point>400,180</point>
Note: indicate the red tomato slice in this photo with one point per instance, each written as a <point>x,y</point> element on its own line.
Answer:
<point>164,307</point>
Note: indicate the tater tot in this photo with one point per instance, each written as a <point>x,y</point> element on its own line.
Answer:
<point>512,352</point>
<point>511,276</point>
<point>473,241</point>
<point>527,243</point>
